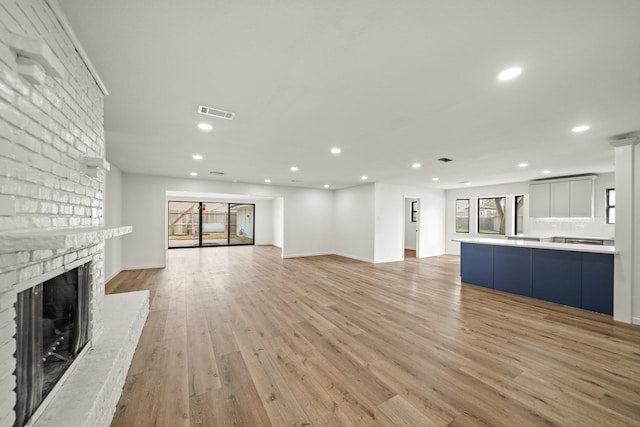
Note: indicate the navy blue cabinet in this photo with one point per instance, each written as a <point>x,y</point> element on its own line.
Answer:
<point>512,270</point>
<point>577,279</point>
<point>557,276</point>
<point>476,264</point>
<point>597,283</point>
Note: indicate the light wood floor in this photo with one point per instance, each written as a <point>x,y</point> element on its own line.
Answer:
<point>239,337</point>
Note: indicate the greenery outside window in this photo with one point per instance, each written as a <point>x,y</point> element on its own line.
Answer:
<point>491,219</point>
<point>462,215</point>
<point>519,215</point>
<point>611,205</point>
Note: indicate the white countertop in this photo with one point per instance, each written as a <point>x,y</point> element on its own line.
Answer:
<point>574,247</point>
<point>563,236</point>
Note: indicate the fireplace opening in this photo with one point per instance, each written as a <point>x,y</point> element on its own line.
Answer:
<point>52,328</point>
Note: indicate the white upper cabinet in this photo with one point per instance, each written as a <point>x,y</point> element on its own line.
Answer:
<point>561,199</point>
<point>582,198</point>
<point>539,200</point>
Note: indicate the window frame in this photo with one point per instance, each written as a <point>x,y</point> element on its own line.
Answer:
<point>515,214</point>
<point>608,205</point>
<point>468,215</point>
<point>414,211</point>
<point>498,233</point>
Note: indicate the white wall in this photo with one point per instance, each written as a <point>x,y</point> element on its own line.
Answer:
<point>113,218</point>
<point>595,227</point>
<point>278,222</point>
<point>307,224</point>
<point>626,284</point>
<point>354,222</point>
<point>389,221</point>
<point>410,228</point>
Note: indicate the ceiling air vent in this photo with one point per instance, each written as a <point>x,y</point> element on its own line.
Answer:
<point>445,159</point>
<point>215,173</point>
<point>214,112</point>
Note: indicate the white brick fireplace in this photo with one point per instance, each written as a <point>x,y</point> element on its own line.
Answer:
<point>52,186</point>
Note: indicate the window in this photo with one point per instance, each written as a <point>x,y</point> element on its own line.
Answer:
<point>414,211</point>
<point>519,215</point>
<point>491,215</point>
<point>462,215</point>
<point>611,205</point>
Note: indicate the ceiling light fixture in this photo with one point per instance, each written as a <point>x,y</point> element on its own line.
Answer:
<point>205,126</point>
<point>194,174</point>
<point>523,165</point>
<point>197,157</point>
<point>416,165</point>
<point>267,180</point>
<point>336,150</point>
<point>364,177</point>
<point>580,128</point>
<point>468,183</point>
<point>510,73</point>
<point>435,178</point>
<point>545,172</point>
<point>294,169</point>
<point>326,186</point>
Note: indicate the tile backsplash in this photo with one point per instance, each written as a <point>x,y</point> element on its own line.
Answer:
<point>578,227</point>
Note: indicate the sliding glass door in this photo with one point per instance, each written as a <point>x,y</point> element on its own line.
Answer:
<point>184,224</point>
<point>197,224</point>
<point>215,224</point>
<point>241,227</point>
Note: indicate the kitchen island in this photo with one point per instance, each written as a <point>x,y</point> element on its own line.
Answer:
<point>578,275</point>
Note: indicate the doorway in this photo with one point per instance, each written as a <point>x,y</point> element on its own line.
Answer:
<point>204,224</point>
<point>411,226</point>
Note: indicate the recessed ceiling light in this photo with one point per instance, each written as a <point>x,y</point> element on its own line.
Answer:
<point>416,165</point>
<point>523,165</point>
<point>197,157</point>
<point>510,73</point>
<point>194,174</point>
<point>205,126</point>
<point>336,150</point>
<point>545,172</point>
<point>326,186</point>
<point>580,128</point>
<point>294,169</point>
<point>468,183</point>
<point>435,178</point>
<point>364,177</point>
<point>267,180</point>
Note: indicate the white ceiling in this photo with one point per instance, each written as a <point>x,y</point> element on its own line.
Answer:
<point>391,83</point>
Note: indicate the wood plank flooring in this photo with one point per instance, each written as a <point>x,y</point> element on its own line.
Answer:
<point>240,337</point>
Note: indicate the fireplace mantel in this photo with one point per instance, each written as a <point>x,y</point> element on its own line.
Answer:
<point>60,238</point>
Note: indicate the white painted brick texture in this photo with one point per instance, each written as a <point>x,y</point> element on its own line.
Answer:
<point>45,133</point>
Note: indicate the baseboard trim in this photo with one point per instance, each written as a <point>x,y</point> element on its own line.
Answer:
<point>305,255</point>
<point>143,267</point>
<point>357,258</point>
<point>635,320</point>
<point>111,276</point>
